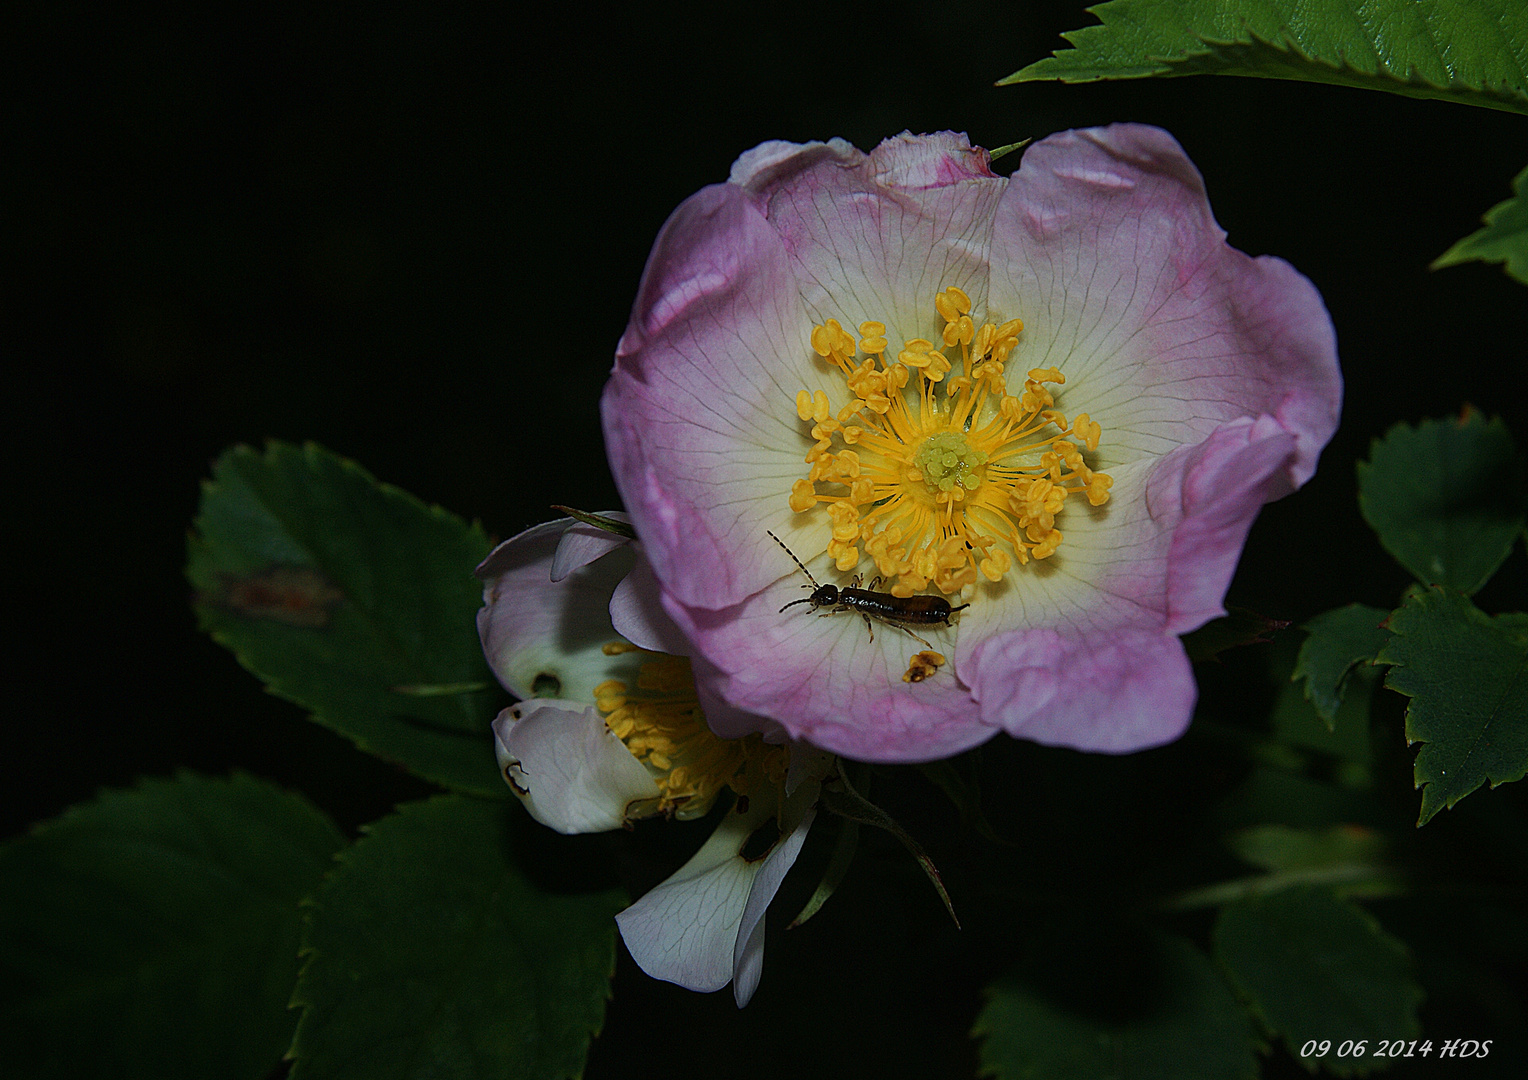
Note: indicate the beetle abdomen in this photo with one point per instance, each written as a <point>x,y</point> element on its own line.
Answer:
<point>920,610</point>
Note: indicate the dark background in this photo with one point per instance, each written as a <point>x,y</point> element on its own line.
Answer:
<point>413,235</point>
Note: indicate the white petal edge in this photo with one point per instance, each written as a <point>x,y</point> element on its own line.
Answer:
<point>582,544</point>
<point>568,767</point>
<point>705,924</point>
<point>748,953</point>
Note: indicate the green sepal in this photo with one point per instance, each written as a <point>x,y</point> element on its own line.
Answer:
<point>1316,967</point>
<point>153,932</point>
<point>844,847</point>
<point>1504,238</point>
<point>840,797</point>
<point>1008,148</point>
<point>964,792</point>
<point>1337,642</point>
<point>599,521</point>
<point>429,954</point>
<point>1238,627</point>
<point>354,600</point>
<point>1468,51</point>
<point>1445,497</point>
<point>1467,677</point>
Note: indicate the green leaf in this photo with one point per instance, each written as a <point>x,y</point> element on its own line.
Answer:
<point>430,955</point>
<point>1467,677</point>
<point>1445,498</point>
<point>1346,736</point>
<point>1280,848</point>
<point>1167,1016</point>
<point>1503,240</point>
<point>1316,967</point>
<point>154,932</point>
<point>1471,51</point>
<point>347,596</point>
<point>1338,641</point>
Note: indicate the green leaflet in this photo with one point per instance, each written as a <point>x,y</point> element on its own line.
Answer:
<point>430,955</point>
<point>1339,641</point>
<point>1154,1010</point>
<point>1445,497</point>
<point>1316,967</point>
<point>1467,677</point>
<point>1472,51</point>
<point>1503,240</point>
<point>153,932</point>
<point>354,600</point>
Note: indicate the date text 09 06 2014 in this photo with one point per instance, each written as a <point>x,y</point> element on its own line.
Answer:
<point>1455,1048</point>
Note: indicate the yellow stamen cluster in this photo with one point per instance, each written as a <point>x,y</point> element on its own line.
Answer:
<point>660,722</point>
<point>953,478</point>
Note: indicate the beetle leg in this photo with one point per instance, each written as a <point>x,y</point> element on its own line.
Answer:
<point>912,635</point>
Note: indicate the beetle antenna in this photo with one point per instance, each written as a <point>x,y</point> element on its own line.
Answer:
<point>798,562</point>
<point>803,600</point>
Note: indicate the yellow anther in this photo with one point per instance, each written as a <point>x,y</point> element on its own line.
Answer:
<point>952,303</point>
<point>872,338</point>
<point>803,496</point>
<point>996,565</point>
<point>1048,374</point>
<point>1089,431</point>
<point>915,353</point>
<point>959,332</point>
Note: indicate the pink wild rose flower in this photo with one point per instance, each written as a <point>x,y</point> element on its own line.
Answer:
<point>1036,415</point>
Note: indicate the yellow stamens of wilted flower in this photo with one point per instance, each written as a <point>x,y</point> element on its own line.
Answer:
<point>660,722</point>
<point>954,478</point>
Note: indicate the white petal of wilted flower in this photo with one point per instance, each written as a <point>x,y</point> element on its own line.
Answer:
<point>704,926</point>
<point>568,767</point>
<point>626,739</point>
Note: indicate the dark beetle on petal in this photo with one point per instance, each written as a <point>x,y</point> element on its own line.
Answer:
<point>899,611</point>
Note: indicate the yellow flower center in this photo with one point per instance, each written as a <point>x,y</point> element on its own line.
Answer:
<point>953,477</point>
<point>660,722</point>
